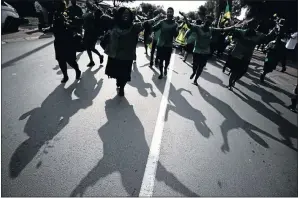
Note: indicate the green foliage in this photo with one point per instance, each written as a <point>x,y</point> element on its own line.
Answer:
<point>119,2</point>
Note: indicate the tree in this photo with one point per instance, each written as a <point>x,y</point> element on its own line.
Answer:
<point>192,15</point>
<point>211,7</point>
<point>151,10</point>
<point>202,11</point>
<point>117,3</point>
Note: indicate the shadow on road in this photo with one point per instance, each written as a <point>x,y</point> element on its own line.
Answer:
<point>232,121</point>
<point>9,63</point>
<point>45,122</point>
<point>138,82</point>
<point>286,129</point>
<point>125,151</point>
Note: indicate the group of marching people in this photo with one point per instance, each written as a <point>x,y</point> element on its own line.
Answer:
<point>119,37</point>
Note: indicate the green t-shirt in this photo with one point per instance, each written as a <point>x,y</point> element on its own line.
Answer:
<point>156,35</point>
<point>245,45</point>
<point>168,30</point>
<point>203,39</point>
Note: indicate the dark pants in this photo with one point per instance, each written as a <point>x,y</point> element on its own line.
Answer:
<point>239,68</point>
<point>199,62</point>
<point>41,21</point>
<point>63,66</point>
<point>154,43</point>
<point>164,54</point>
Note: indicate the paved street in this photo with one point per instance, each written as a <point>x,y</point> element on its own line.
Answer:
<point>81,139</point>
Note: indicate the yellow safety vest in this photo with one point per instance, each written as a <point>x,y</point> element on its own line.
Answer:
<point>181,36</point>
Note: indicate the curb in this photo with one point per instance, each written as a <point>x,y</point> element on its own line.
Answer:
<point>3,42</point>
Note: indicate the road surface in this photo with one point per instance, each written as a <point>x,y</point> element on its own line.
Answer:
<point>165,138</point>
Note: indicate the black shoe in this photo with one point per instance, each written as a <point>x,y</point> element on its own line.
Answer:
<point>101,59</point>
<point>193,75</point>
<point>160,76</point>
<point>65,79</point>
<point>78,74</point>
<point>195,83</point>
<point>283,70</point>
<point>91,64</point>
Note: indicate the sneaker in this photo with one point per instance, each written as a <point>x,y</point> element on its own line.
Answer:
<point>160,76</point>
<point>91,64</point>
<point>65,79</point>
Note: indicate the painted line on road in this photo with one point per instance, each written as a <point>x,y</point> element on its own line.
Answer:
<point>151,166</point>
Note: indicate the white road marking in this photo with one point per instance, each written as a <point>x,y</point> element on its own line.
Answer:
<point>151,166</point>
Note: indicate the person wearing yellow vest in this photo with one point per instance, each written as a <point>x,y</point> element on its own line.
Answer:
<point>180,39</point>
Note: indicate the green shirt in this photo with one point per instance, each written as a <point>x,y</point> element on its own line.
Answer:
<point>168,30</point>
<point>156,35</point>
<point>203,39</point>
<point>245,45</point>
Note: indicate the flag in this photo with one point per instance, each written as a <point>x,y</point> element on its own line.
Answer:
<point>227,14</point>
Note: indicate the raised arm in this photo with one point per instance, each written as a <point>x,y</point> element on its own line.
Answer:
<point>189,25</point>
<point>140,26</point>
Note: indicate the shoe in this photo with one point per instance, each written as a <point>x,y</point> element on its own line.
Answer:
<point>191,77</point>
<point>101,59</point>
<point>160,76</point>
<point>283,70</point>
<point>262,78</point>
<point>65,79</point>
<point>91,64</point>
<point>195,83</point>
<point>78,74</point>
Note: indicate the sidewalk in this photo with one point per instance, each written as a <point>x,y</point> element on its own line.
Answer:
<point>26,32</point>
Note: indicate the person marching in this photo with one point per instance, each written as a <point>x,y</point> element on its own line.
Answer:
<point>201,50</point>
<point>121,47</point>
<point>190,41</point>
<point>64,46</point>
<point>168,31</point>
<point>75,14</point>
<point>241,55</point>
<point>273,54</point>
<point>153,48</point>
<point>90,35</point>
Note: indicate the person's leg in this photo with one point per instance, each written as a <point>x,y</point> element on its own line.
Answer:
<point>145,45</point>
<point>75,66</point>
<point>202,64</point>
<point>63,67</point>
<point>284,61</point>
<point>98,54</point>
<point>121,84</point>
<point>91,58</point>
<point>195,58</point>
<point>153,47</point>
<point>167,59</point>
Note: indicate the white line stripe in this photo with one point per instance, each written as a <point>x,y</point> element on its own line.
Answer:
<point>151,166</point>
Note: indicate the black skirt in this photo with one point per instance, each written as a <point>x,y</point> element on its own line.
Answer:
<point>119,69</point>
<point>64,50</point>
<point>237,65</point>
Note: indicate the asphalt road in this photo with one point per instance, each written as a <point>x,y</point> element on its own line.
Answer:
<point>81,139</point>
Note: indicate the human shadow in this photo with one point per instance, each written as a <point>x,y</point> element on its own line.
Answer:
<point>139,83</point>
<point>265,95</point>
<point>213,79</point>
<point>233,121</point>
<point>181,106</point>
<point>286,129</point>
<point>46,121</point>
<point>125,150</point>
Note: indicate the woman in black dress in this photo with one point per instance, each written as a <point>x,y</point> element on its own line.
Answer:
<point>121,48</point>
<point>64,42</point>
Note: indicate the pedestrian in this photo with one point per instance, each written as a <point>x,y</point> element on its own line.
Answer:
<point>121,48</point>
<point>168,31</point>
<point>190,37</point>
<point>147,32</point>
<point>294,100</point>
<point>247,39</point>
<point>64,43</point>
<point>273,51</point>
<point>75,14</point>
<point>90,35</point>
<point>202,50</point>
<point>156,35</point>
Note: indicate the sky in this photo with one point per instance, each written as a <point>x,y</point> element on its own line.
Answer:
<point>183,6</point>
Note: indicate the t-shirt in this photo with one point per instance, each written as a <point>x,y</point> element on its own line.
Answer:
<point>291,44</point>
<point>168,30</point>
<point>190,37</point>
<point>156,35</point>
<point>203,39</point>
<point>245,44</point>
